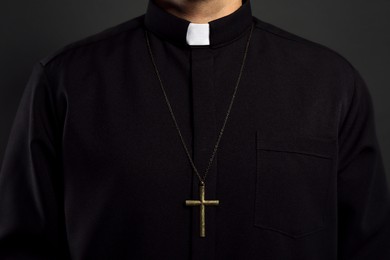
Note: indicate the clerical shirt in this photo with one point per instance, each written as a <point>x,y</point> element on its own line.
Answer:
<point>95,168</point>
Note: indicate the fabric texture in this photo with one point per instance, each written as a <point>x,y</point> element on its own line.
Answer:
<point>94,167</point>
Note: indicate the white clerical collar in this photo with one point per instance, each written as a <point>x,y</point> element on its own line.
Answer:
<point>198,34</point>
<point>178,31</point>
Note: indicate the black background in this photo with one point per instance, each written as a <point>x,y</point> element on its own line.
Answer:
<point>359,30</point>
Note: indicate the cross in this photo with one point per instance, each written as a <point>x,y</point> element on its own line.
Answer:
<point>202,203</point>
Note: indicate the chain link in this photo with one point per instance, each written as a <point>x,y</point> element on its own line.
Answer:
<point>201,180</point>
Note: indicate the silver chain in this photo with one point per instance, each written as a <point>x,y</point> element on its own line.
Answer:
<point>202,180</point>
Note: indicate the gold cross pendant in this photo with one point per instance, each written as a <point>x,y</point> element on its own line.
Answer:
<point>202,203</point>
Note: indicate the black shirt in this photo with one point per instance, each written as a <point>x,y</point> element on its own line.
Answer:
<point>95,169</point>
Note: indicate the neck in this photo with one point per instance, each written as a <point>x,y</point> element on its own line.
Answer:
<point>199,11</point>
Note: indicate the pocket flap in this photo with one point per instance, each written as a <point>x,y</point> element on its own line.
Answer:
<point>298,144</point>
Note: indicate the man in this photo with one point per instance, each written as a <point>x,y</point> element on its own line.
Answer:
<point>116,133</point>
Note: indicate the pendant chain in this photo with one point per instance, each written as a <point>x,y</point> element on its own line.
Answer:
<point>202,180</point>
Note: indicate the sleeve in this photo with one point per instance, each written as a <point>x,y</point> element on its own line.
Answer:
<point>363,188</point>
<point>31,208</point>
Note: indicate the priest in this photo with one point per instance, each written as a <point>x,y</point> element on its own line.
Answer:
<point>194,131</point>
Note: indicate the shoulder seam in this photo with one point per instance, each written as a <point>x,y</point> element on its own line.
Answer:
<point>88,39</point>
<point>303,41</point>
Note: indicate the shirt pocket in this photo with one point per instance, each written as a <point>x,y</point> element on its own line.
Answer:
<point>292,183</point>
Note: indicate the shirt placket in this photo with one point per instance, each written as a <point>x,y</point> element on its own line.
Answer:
<point>204,139</point>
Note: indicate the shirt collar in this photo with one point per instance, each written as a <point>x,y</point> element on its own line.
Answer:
<point>177,30</point>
